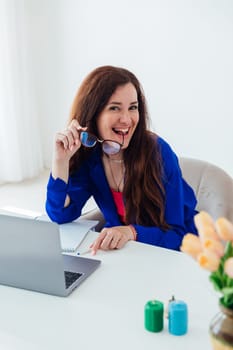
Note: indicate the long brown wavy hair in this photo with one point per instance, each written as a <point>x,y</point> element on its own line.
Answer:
<point>143,192</point>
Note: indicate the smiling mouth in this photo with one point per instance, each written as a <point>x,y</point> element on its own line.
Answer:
<point>121,131</point>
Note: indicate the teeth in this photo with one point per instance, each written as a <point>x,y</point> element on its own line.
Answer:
<point>123,131</point>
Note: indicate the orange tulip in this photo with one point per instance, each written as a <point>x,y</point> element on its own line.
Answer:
<point>203,219</point>
<point>208,232</point>
<point>224,229</point>
<point>205,226</point>
<point>215,246</point>
<point>228,267</point>
<point>191,245</point>
<point>208,260</point>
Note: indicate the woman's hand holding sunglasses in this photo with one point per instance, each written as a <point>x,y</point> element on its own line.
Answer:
<point>68,142</point>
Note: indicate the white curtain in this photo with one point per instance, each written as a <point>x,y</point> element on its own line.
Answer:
<point>20,145</point>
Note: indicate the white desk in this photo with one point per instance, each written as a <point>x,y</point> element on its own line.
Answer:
<point>107,310</point>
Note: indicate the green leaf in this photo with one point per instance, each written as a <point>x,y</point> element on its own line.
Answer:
<point>228,251</point>
<point>216,281</point>
<point>227,291</point>
<point>228,302</point>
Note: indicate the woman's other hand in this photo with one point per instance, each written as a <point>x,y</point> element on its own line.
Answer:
<point>112,238</point>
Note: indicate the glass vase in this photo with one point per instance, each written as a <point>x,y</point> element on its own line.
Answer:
<point>221,329</point>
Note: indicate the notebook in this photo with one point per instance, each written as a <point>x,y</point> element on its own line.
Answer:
<point>73,233</point>
<point>31,258</point>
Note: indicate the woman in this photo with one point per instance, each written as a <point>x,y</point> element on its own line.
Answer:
<point>108,152</point>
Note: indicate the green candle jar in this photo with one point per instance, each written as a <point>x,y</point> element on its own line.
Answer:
<point>153,316</point>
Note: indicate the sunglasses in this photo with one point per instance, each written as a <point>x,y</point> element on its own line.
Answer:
<point>108,146</point>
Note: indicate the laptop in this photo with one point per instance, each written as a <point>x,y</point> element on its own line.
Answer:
<point>31,258</point>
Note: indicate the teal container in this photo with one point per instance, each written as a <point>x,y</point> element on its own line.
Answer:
<point>177,318</point>
<point>153,316</point>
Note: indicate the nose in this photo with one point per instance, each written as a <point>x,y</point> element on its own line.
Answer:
<point>125,117</point>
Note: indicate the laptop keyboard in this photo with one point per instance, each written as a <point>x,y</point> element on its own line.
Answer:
<point>71,277</point>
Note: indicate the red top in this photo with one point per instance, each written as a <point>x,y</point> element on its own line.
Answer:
<point>118,200</point>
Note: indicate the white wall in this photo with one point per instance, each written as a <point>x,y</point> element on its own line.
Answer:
<point>181,50</point>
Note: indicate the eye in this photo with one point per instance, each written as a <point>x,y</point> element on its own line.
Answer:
<point>134,107</point>
<point>114,108</point>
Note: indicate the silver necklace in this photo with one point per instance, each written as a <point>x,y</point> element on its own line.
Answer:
<point>117,186</point>
<point>113,159</point>
<point>116,160</point>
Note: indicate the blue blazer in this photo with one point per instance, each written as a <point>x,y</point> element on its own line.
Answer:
<point>90,180</point>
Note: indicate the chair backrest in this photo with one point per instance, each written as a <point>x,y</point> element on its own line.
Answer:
<point>212,185</point>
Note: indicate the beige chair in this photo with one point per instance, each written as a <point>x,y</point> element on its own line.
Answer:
<point>212,185</point>
<point>213,188</point>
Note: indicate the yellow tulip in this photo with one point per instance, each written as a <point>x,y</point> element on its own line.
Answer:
<point>228,267</point>
<point>224,229</point>
<point>191,245</point>
<point>208,260</point>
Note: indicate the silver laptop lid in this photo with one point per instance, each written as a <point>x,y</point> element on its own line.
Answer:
<point>30,255</point>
